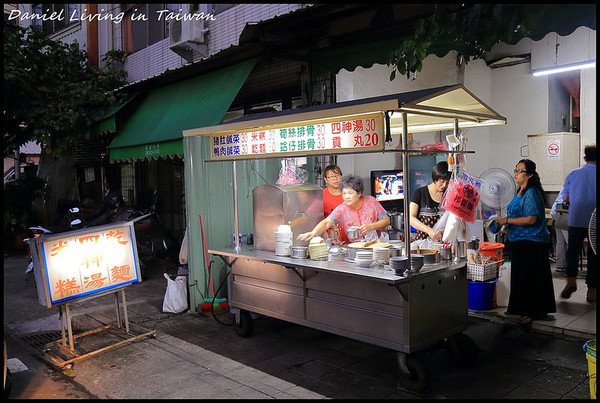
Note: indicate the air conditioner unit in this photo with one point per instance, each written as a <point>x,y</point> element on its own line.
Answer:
<point>187,37</point>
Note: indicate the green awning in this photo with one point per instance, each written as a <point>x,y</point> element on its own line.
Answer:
<point>563,19</point>
<point>107,123</point>
<point>155,129</point>
<point>352,56</point>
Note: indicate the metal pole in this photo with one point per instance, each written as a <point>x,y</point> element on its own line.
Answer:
<point>125,311</point>
<point>457,253</point>
<point>62,325</point>
<point>117,310</point>
<point>69,327</point>
<point>406,186</point>
<point>235,211</point>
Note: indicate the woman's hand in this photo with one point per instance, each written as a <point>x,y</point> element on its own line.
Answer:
<point>435,235</point>
<point>365,228</point>
<point>307,236</point>
<point>501,220</point>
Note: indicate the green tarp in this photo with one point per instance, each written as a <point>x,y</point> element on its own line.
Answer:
<point>155,128</point>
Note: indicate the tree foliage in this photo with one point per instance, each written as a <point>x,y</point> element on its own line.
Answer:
<point>51,94</point>
<point>471,30</point>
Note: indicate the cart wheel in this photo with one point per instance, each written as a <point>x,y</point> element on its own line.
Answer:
<point>245,327</point>
<point>416,380</point>
<point>463,350</point>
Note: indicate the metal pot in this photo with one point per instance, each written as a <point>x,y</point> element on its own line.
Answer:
<point>446,253</point>
<point>299,252</point>
<point>396,251</point>
<point>396,220</point>
<point>431,258</point>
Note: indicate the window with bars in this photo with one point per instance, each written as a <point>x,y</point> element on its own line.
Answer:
<point>128,188</point>
<point>69,13</point>
<point>141,27</point>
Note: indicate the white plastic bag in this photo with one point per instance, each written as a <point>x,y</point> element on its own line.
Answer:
<point>176,295</point>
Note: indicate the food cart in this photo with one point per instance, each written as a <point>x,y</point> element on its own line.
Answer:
<point>406,313</point>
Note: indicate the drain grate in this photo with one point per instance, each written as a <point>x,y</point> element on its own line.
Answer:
<point>37,341</point>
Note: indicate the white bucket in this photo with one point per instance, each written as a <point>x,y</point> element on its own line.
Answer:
<point>284,239</point>
<point>503,285</point>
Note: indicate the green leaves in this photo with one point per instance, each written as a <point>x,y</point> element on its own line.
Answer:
<point>49,88</point>
<point>471,30</point>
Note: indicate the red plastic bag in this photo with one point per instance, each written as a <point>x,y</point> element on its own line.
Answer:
<point>461,198</point>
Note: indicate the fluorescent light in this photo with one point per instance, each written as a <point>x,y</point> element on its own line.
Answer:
<point>444,126</point>
<point>561,69</point>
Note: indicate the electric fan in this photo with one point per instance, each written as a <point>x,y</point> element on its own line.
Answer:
<point>497,189</point>
<point>592,232</point>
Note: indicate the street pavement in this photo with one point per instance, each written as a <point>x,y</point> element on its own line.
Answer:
<point>197,356</point>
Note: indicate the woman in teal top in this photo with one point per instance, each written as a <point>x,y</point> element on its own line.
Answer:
<point>531,287</point>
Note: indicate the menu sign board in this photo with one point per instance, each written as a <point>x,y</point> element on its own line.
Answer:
<point>346,134</point>
<point>80,263</point>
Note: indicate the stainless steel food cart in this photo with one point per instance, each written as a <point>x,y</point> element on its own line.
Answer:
<point>403,313</point>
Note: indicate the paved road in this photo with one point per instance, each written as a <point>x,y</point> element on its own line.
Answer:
<point>194,356</point>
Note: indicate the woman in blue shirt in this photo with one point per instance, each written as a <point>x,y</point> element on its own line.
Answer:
<point>531,287</point>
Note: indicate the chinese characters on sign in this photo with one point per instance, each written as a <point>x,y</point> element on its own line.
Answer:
<point>350,134</point>
<point>152,150</point>
<point>81,263</point>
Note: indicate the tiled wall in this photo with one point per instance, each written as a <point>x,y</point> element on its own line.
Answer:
<point>223,32</point>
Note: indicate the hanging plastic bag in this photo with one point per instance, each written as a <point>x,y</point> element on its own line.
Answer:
<point>290,173</point>
<point>461,198</point>
<point>176,295</point>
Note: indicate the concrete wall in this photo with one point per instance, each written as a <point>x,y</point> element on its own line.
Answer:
<point>511,91</point>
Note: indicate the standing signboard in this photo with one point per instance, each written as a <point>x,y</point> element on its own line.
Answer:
<point>76,264</point>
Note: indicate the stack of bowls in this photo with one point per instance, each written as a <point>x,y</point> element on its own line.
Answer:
<point>364,258</point>
<point>416,262</point>
<point>284,238</point>
<point>399,264</point>
<point>381,255</point>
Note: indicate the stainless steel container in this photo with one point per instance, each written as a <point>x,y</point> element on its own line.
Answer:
<point>299,205</point>
<point>396,220</point>
<point>396,250</point>
<point>353,232</point>
<point>446,253</point>
<point>299,252</point>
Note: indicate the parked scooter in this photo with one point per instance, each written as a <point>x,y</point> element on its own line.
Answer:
<point>154,241</point>
<point>39,230</point>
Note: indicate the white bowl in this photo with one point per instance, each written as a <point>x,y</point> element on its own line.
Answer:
<point>364,263</point>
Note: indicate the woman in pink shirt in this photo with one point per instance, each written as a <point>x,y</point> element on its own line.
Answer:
<point>357,210</point>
